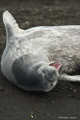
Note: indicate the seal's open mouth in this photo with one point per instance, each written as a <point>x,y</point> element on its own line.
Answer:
<point>57,65</point>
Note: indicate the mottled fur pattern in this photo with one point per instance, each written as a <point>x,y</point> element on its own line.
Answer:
<point>28,53</point>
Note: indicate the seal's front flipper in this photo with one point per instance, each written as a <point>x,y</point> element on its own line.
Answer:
<point>69,78</point>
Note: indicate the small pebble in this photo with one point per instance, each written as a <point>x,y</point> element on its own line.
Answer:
<point>74,91</point>
<point>1,88</point>
<point>37,111</point>
<point>44,99</point>
<point>32,115</point>
<point>48,114</point>
<point>52,102</point>
<point>71,89</point>
<point>50,9</point>
<point>27,22</point>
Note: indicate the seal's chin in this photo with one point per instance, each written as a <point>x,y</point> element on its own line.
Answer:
<point>56,65</point>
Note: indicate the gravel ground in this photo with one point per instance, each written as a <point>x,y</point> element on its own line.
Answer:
<point>63,102</point>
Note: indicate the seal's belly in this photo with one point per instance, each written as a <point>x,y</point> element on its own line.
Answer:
<point>62,45</point>
<point>69,56</point>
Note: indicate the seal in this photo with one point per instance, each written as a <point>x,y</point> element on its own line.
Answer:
<point>36,58</point>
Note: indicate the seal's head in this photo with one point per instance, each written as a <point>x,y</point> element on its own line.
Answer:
<point>33,75</point>
<point>47,75</point>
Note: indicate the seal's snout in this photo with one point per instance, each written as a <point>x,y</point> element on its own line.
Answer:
<point>49,73</point>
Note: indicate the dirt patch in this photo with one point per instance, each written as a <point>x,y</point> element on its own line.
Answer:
<point>63,102</point>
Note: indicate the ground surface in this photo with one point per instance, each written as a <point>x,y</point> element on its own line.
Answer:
<point>63,102</point>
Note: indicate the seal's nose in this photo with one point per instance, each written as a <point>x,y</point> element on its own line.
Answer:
<point>51,74</point>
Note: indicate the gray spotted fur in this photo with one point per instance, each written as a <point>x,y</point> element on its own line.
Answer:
<point>39,45</point>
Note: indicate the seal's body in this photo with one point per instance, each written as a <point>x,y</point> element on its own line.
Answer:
<point>36,58</point>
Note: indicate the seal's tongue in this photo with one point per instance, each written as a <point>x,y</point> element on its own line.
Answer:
<point>57,65</point>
